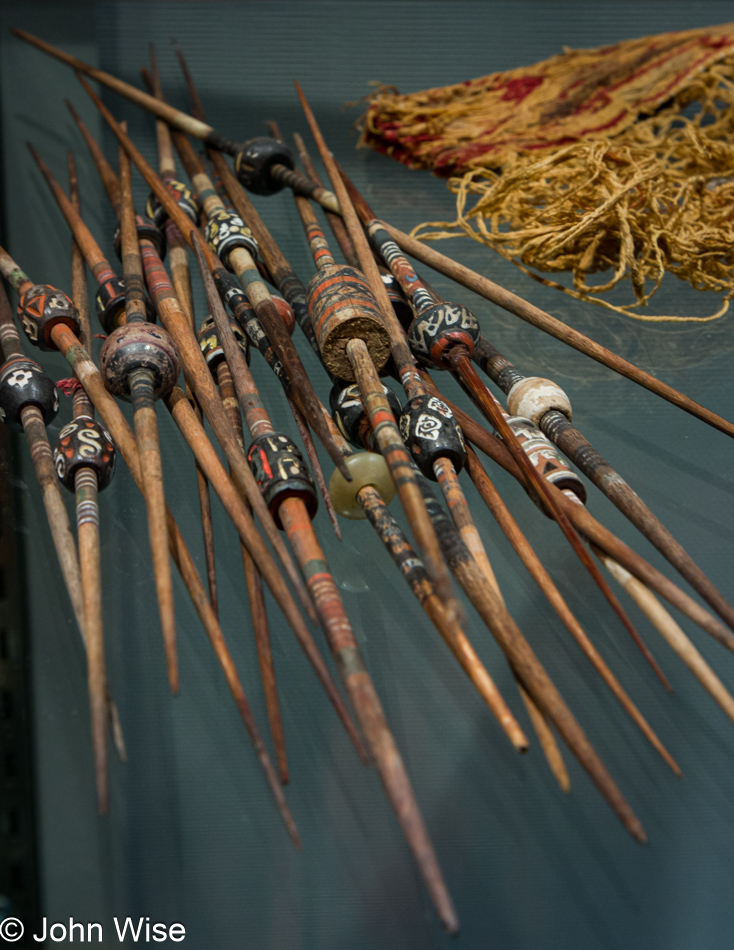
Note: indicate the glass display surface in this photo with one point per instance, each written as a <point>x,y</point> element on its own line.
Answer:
<point>193,835</point>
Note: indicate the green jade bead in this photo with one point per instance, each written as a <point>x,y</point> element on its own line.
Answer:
<point>366,468</point>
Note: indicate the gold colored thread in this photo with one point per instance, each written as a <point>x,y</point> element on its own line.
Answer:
<point>655,198</point>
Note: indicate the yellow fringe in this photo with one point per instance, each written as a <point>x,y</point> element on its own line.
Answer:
<point>657,198</point>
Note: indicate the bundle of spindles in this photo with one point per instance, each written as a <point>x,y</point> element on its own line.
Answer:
<point>372,317</point>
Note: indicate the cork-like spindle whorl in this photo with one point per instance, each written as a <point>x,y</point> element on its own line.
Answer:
<point>342,307</point>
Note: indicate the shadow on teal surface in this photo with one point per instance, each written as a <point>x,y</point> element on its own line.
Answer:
<point>193,835</point>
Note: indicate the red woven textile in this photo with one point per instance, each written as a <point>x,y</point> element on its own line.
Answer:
<point>578,94</point>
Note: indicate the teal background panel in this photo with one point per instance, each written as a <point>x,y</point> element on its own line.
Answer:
<point>193,835</point>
